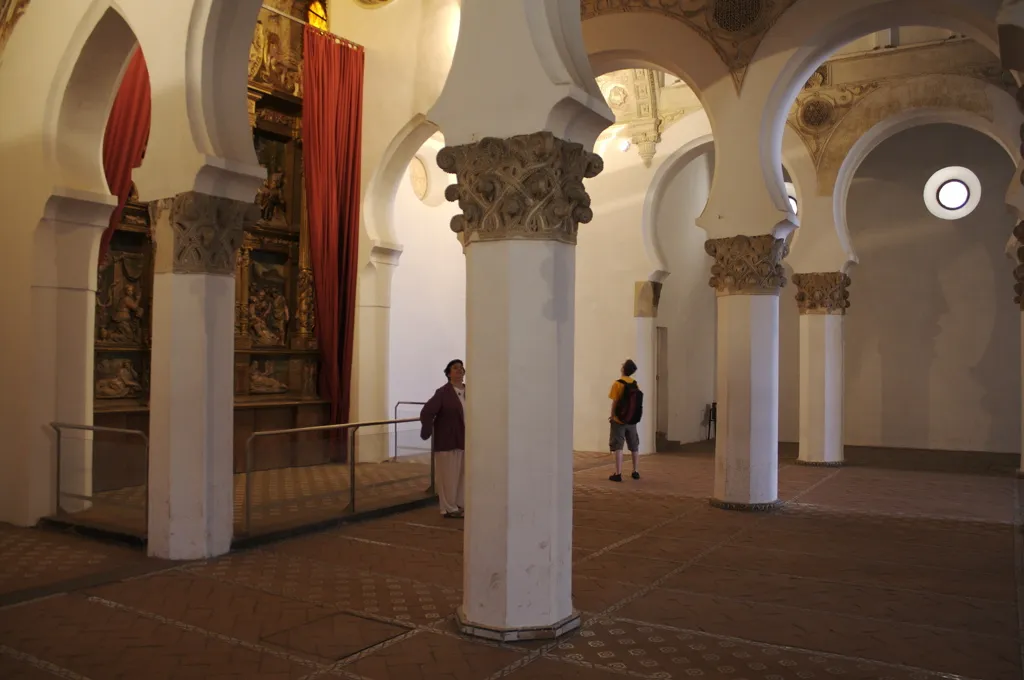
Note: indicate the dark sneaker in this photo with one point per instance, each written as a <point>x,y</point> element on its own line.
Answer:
<point>615,478</point>
<point>636,475</point>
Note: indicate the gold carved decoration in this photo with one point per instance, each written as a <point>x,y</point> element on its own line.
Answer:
<point>10,12</point>
<point>734,28</point>
<point>822,292</point>
<point>206,231</point>
<point>523,187</point>
<point>747,265</point>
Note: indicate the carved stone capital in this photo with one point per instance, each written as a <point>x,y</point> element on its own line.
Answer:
<point>822,292</point>
<point>747,265</point>
<point>199,233</point>
<point>1018,271</point>
<point>523,187</point>
<point>646,297</point>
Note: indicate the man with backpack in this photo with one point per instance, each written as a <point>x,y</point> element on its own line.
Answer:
<point>627,409</point>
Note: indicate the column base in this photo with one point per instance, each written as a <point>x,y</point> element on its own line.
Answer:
<point>555,630</point>
<point>821,463</point>
<point>745,507</point>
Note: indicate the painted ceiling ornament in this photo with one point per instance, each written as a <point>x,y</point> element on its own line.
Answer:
<point>747,265</point>
<point>734,28</point>
<point>522,187</point>
<point>372,4</point>
<point>822,292</point>
<point>10,12</point>
<point>817,113</point>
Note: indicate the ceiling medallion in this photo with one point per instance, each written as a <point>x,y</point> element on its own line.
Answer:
<point>737,16</point>
<point>816,113</point>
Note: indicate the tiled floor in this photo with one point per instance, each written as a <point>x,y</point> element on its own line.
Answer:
<point>865,574</point>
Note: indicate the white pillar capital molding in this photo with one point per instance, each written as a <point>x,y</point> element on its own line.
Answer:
<point>822,292</point>
<point>747,276</point>
<point>522,201</point>
<point>191,483</point>
<point>526,187</point>
<point>646,298</point>
<point>747,265</point>
<point>823,298</point>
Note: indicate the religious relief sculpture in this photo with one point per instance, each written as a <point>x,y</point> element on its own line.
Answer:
<point>309,380</point>
<point>119,306</point>
<point>268,317</point>
<point>747,265</point>
<point>117,379</point>
<point>270,199</point>
<point>263,381</point>
<point>275,54</point>
<point>523,187</point>
<point>822,292</point>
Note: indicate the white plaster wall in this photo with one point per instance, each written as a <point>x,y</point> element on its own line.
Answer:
<point>932,338</point>
<point>428,291</point>
<point>688,309</point>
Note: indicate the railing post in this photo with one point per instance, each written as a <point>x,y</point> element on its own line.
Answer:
<point>247,507</point>
<point>56,429</point>
<point>352,468</point>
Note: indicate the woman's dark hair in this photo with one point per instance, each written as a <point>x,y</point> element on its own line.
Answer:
<point>628,368</point>
<point>448,368</point>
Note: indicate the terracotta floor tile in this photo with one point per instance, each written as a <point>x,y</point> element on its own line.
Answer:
<point>554,669</point>
<point>335,636</point>
<point>594,595</point>
<point>624,568</point>
<point>428,656</point>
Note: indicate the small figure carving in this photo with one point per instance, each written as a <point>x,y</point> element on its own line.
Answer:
<point>260,320</point>
<point>270,199</point>
<point>264,382</point>
<point>126,321</point>
<point>118,380</point>
<point>281,316</point>
<point>306,314</point>
<point>309,375</point>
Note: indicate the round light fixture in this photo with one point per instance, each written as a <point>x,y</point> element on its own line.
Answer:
<point>952,193</point>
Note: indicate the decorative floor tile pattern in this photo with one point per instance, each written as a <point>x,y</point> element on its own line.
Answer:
<point>865,574</point>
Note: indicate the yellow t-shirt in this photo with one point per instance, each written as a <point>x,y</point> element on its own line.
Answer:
<point>616,392</point>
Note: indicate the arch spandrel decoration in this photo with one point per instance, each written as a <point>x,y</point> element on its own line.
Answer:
<point>734,28</point>
<point>831,119</point>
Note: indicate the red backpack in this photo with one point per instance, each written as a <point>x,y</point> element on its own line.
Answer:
<point>630,406</point>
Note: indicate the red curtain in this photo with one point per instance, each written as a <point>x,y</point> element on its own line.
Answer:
<point>332,123</point>
<point>124,142</point>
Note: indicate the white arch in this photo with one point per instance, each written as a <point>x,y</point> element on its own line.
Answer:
<point>379,204</point>
<point>809,32</point>
<point>1005,135</point>
<point>663,177</point>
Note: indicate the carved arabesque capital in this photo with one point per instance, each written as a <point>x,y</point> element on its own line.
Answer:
<point>747,265</point>
<point>204,232</point>
<point>822,292</point>
<point>523,187</point>
<point>1018,271</point>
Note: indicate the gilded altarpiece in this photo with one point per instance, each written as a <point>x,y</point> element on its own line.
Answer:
<point>276,376</point>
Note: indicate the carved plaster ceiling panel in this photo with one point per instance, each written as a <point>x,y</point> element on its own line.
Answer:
<point>10,12</point>
<point>734,28</point>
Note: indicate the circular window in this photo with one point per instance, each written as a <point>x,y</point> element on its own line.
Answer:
<point>793,205</point>
<point>952,193</point>
<point>418,177</point>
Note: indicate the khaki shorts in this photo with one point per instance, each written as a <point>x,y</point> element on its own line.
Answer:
<point>623,435</point>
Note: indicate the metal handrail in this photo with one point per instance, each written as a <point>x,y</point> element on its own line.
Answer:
<point>350,427</point>
<point>58,426</point>
<point>395,427</point>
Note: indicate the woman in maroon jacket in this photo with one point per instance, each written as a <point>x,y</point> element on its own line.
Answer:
<point>443,417</point>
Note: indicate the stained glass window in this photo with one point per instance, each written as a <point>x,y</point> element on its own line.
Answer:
<point>317,15</point>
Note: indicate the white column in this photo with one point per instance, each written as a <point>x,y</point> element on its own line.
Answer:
<point>520,112</point>
<point>645,309</point>
<point>823,299</point>
<point>64,297</point>
<point>520,325</point>
<point>191,490</point>
<point>747,275</point>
